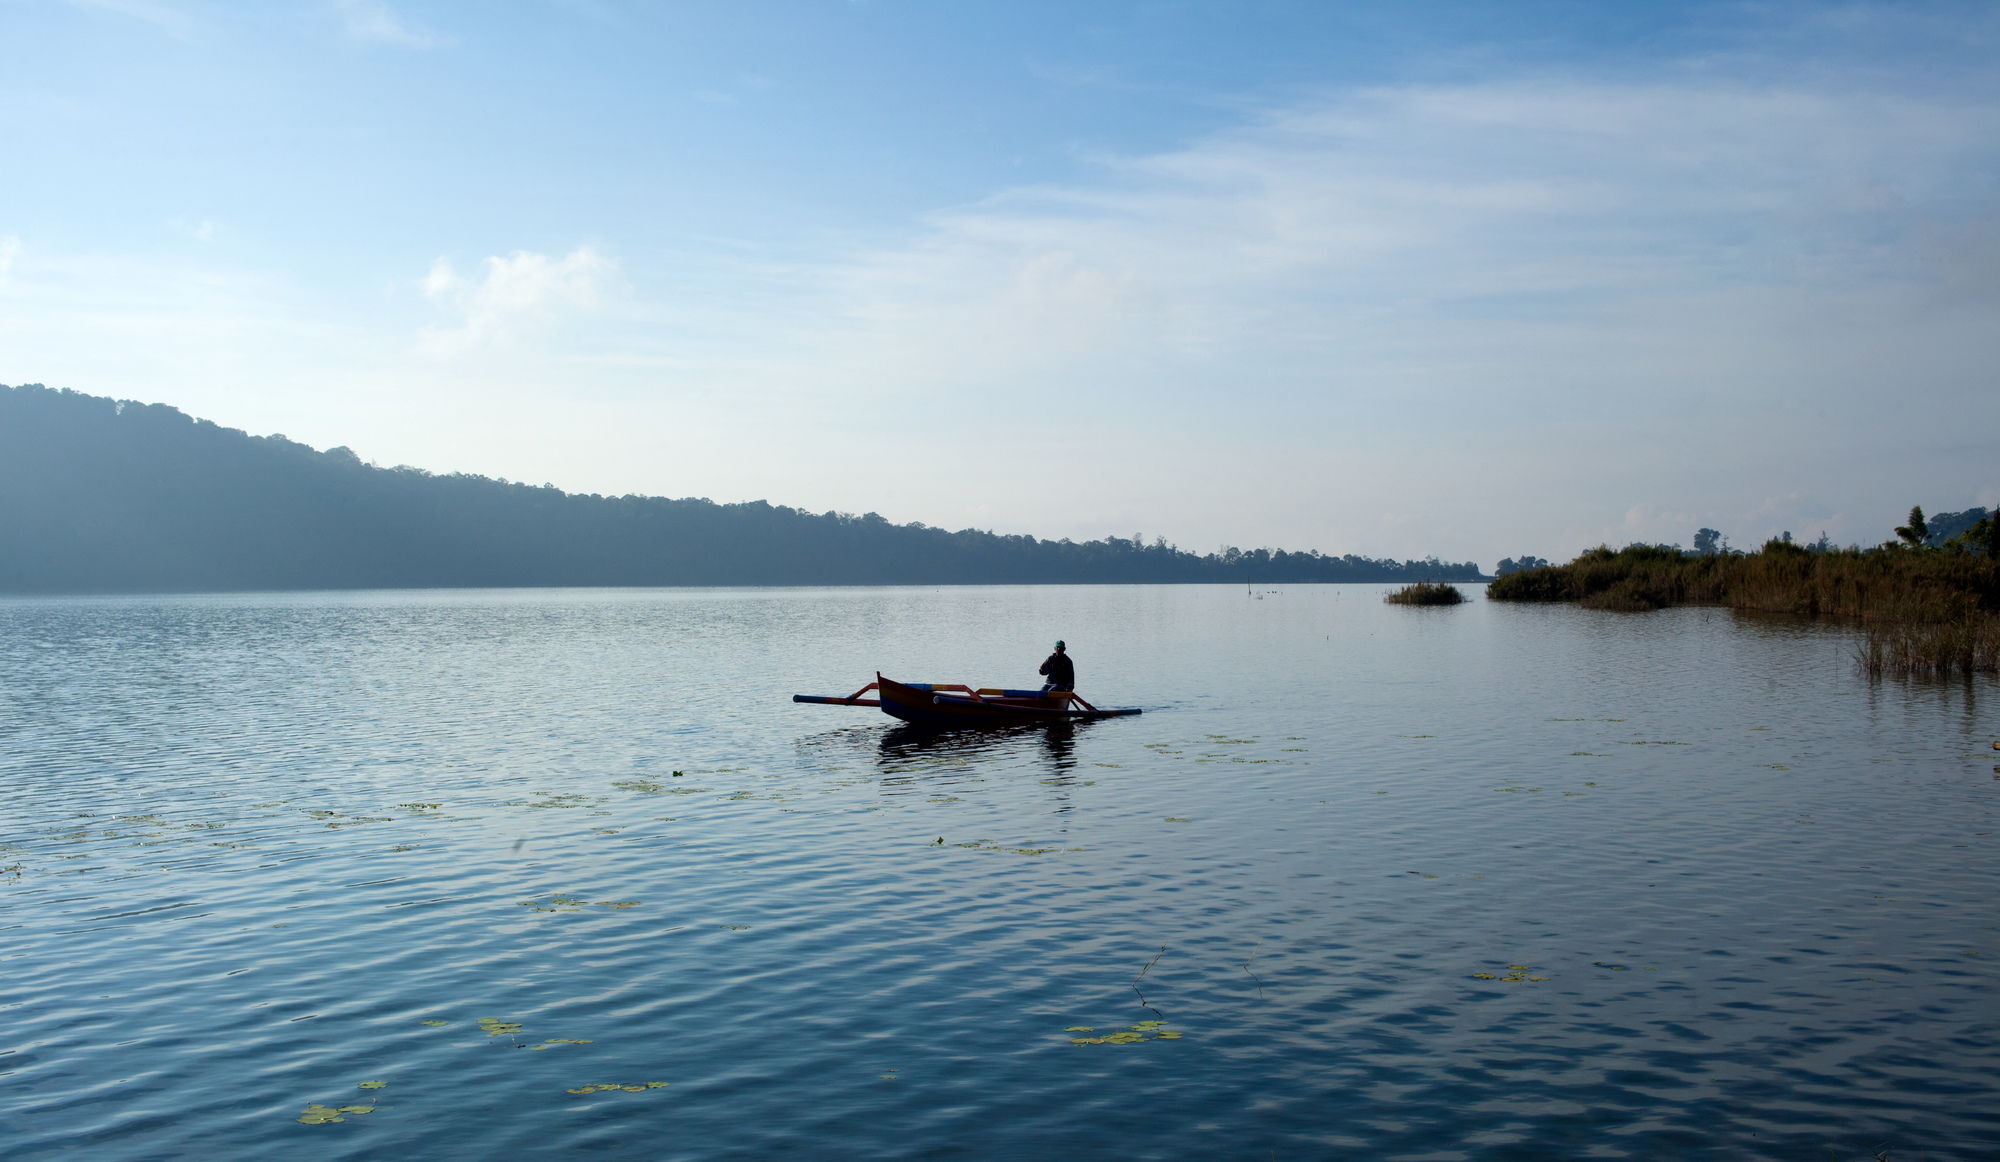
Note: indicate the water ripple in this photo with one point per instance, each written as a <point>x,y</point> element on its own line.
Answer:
<point>1504,883</point>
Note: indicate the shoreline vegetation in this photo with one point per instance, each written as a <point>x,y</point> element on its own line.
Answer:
<point>109,496</point>
<point>1426,593</point>
<point>1926,611</point>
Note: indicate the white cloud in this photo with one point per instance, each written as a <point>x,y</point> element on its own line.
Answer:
<point>374,21</point>
<point>515,294</point>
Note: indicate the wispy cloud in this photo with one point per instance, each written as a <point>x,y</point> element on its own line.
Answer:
<point>168,18</point>
<point>1615,282</point>
<point>203,231</point>
<point>511,296</point>
<point>374,21</point>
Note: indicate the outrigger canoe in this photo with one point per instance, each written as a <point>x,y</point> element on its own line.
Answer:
<point>940,704</point>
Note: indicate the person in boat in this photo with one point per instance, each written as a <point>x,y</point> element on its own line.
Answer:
<point>1059,670</point>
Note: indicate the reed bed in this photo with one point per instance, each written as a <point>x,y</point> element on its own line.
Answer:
<point>1926,613</point>
<point>1919,650</point>
<point>1426,593</point>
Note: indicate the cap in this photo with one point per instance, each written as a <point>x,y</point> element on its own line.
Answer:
<point>1061,646</point>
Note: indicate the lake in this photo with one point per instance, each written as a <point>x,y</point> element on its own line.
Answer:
<point>565,874</point>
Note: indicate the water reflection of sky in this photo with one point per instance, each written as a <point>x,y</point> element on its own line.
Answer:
<point>252,845</point>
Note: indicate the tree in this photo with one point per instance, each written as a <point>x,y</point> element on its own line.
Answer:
<point>1917,531</point>
<point>1707,542</point>
<point>1983,537</point>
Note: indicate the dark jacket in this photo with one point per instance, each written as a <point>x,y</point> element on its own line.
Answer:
<point>1060,671</point>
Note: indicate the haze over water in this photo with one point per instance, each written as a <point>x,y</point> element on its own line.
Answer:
<point>1485,882</point>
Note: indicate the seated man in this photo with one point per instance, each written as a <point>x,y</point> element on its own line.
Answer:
<point>1060,671</point>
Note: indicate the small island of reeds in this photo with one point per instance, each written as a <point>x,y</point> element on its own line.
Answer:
<point>1426,593</point>
<point>1928,611</point>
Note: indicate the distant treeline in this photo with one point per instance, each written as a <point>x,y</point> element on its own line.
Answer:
<point>103,496</point>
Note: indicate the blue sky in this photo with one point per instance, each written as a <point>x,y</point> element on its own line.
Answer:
<point>1474,279</point>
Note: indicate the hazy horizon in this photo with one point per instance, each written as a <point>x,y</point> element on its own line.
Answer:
<point>1473,280</point>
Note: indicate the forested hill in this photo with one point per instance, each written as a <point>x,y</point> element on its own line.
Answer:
<point>99,496</point>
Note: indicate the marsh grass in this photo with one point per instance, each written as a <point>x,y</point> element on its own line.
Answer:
<point>1932,650</point>
<point>1926,613</point>
<point>1426,593</point>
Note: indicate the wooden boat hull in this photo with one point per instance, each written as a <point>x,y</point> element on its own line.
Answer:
<point>920,706</point>
<point>933,706</point>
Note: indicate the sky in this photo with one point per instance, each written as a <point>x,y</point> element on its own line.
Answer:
<point>1401,278</point>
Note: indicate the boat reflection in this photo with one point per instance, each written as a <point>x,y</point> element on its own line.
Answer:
<point>1054,743</point>
<point>913,757</point>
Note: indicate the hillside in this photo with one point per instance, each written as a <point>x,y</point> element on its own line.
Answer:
<point>103,496</point>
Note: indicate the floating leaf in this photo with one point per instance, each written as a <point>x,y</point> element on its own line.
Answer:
<point>434,1023</point>
<point>609,1086</point>
<point>372,1085</point>
<point>1079,1029</point>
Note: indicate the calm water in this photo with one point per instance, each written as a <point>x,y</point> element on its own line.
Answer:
<point>1364,882</point>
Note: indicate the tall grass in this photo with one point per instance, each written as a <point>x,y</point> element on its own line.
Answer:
<point>1927,613</point>
<point>1426,593</point>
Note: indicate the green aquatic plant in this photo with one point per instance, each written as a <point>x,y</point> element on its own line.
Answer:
<point>495,1027</point>
<point>551,801</point>
<point>1131,1035</point>
<point>1425,593</point>
<point>434,1023</point>
<point>1515,974</point>
<point>617,1087</point>
<point>372,1085</point>
<point>319,1115</point>
<point>560,902</point>
<point>638,785</point>
<point>989,845</point>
